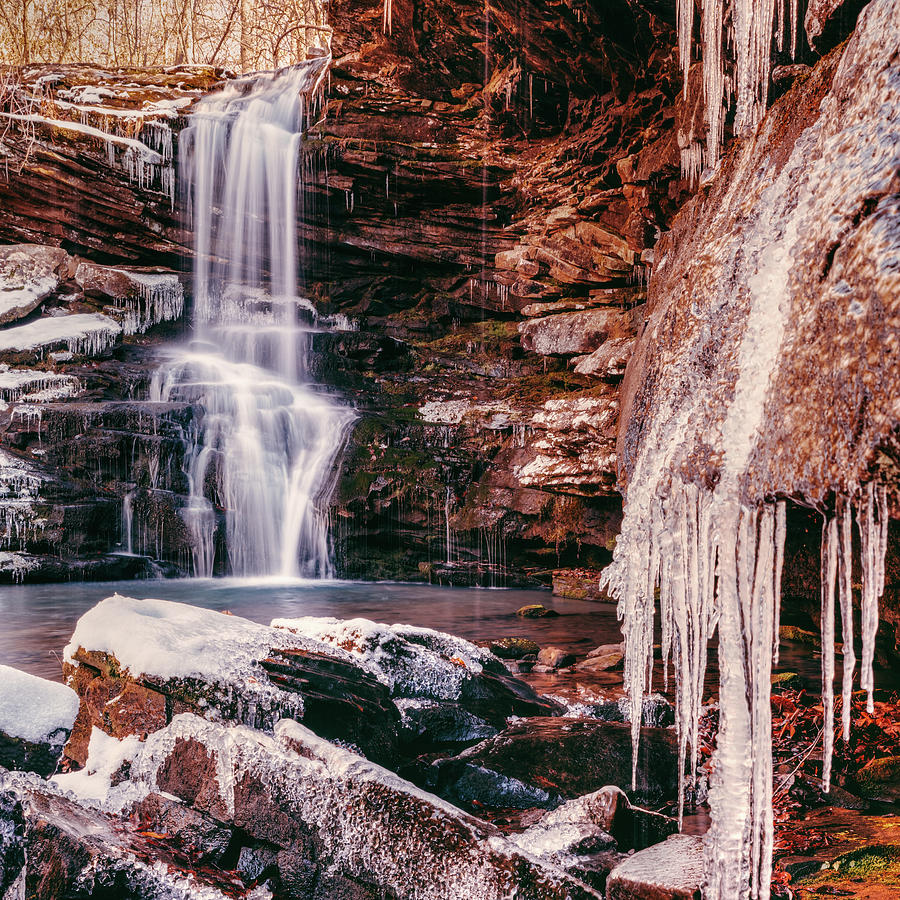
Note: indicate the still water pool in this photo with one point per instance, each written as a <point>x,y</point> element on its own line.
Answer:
<point>36,621</point>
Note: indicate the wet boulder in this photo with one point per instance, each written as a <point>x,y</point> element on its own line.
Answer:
<point>36,718</point>
<point>540,762</point>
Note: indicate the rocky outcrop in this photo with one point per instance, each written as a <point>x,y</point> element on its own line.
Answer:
<point>72,445</point>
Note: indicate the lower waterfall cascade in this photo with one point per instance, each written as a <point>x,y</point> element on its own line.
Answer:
<point>264,442</point>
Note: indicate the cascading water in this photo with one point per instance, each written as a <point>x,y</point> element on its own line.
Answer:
<point>265,441</point>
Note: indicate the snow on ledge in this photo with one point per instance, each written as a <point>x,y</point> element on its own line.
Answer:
<point>410,661</point>
<point>84,334</point>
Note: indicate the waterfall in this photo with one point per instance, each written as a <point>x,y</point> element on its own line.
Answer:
<point>265,440</point>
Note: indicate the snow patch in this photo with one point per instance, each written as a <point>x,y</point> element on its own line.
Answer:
<point>35,709</point>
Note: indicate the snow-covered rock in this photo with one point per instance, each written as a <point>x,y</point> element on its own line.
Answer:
<point>148,655</point>
<point>36,718</point>
<point>28,274</point>
<point>84,334</point>
<point>35,385</point>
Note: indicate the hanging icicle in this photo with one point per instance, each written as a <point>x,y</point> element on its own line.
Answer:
<point>749,27</point>
<point>386,17</point>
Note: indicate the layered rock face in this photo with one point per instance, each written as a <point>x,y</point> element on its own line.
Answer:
<point>476,200</point>
<point>491,180</point>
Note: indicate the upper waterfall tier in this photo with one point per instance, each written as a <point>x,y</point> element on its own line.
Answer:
<point>264,443</point>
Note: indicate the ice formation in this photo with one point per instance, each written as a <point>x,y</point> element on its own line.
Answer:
<point>35,709</point>
<point>84,334</point>
<point>701,523</point>
<point>157,298</point>
<point>749,29</point>
<point>20,487</point>
<point>35,385</point>
<point>270,438</point>
<point>410,661</point>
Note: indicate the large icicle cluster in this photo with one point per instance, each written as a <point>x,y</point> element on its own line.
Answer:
<point>709,443</point>
<point>740,77</point>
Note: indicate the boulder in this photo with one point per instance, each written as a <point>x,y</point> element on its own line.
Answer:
<point>571,333</point>
<point>423,664</point>
<point>535,611</point>
<point>513,647</point>
<point>672,870</point>
<point>311,811</point>
<point>603,658</point>
<point>36,718</point>
<point>594,823</point>
<point>156,658</point>
<point>540,762</point>
<point>555,658</point>
<point>29,273</point>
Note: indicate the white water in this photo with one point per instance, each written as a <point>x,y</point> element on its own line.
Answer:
<point>263,449</point>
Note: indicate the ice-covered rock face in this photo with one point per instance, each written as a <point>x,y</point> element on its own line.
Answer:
<point>768,367</point>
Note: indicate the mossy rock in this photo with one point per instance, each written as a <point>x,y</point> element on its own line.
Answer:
<point>796,635</point>
<point>880,778</point>
<point>787,681</point>
<point>868,861</point>
<point>535,611</point>
<point>514,648</point>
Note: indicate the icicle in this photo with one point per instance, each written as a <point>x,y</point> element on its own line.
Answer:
<point>780,534</point>
<point>386,17</point>
<point>872,518</point>
<point>685,15</point>
<point>829,576</point>
<point>845,594</point>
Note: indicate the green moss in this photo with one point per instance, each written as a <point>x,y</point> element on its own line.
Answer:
<point>789,681</point>
<point>868,861</point>
<point>798,635</point>
<point>877,772</point>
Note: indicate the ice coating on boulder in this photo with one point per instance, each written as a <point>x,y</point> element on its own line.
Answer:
<point>368,821</point>
<point>410,661</point>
